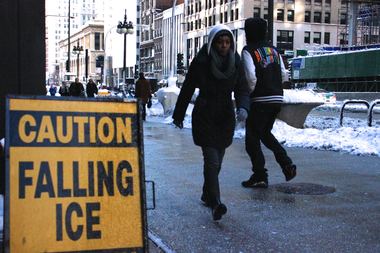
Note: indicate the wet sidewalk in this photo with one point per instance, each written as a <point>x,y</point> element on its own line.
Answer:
<point>333,205</point>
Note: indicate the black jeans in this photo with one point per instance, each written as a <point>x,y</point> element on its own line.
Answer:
<point>213,158</point>
<point>258,128</point>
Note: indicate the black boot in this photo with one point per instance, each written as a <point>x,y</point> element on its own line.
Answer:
<point>218,210</point>
<point>257,180</point>
<point>290,171</point>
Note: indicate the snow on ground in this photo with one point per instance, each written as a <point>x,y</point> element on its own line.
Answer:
<point>322,133</point>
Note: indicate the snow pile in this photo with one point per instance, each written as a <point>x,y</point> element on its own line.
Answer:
<point>322,133</point>
<point>301,96</point>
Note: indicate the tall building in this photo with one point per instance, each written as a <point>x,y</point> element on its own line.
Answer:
<point>151,11</point>
<point>57,26</point>
<point>297,24</point>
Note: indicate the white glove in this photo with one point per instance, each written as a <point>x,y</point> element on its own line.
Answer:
<point>241,114</point>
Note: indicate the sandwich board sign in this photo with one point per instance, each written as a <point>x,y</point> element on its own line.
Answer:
<point>74,176</point>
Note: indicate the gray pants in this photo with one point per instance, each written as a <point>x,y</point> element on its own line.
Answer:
<point>213,158</point>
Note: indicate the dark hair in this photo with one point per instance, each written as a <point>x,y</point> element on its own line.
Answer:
<point>255,29</point>
<point>141,75</point>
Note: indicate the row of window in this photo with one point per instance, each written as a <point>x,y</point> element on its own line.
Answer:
<point>197,6</point>
<point>317,37</point>
<point>211,20</point>
<point>317,16</point>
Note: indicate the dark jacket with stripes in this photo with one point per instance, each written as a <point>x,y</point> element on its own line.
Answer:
<point>267,63</point>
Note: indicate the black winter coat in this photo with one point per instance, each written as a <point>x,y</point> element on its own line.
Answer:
<point>213,116</point>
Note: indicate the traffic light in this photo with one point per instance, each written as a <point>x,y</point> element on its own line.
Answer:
<point>136,71</point>
<point>180,66</point>
<point>67,66</point>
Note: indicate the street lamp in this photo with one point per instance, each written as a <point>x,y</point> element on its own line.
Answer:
<point>171,61</point>
<point>77,50</point>
<point>124,28</point>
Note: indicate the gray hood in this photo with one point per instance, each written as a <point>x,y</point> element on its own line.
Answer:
<point>214,31</point>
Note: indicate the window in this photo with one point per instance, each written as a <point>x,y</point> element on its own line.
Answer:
<point>256,12</point>
<point>343,39</point>
<point>317,17</point>
<point>265,14</point>
<point>328,2</point>
<point>290,15</point>
<point>307,1</point>
<point>285,39</point>
<point>318,2</point>
<point>280,14</point>
<point>317,38</point>
<point>232,15</point>
<point>307,38</point>
<point>343,18</point>
<point>327,38</point>
<point>327,17</point>
<point>225,17</point>
<point>97,41</point>
<point>307,16</point>
<point>209,20</point>
<point>237,14</point>
<point>221,17</point>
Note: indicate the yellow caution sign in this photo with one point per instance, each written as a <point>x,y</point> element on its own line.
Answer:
<point>75,181</point>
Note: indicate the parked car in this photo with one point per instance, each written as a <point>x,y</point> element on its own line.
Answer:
<point>327,96</point>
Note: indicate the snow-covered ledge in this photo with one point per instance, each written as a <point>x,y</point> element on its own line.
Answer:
<point>297,105</point>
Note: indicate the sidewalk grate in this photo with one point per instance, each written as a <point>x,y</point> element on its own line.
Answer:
<point>304,188</point>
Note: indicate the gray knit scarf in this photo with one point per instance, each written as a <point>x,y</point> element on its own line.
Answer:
<point>222,67</point>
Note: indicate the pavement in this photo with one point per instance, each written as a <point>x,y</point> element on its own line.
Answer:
<point>333,205</point>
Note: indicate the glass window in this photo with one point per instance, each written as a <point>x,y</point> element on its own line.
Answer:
<point>237,14</point>
<point>343,18</point>
<point>280,14</point>
<point>97,41</point>
<point>307,38</point>
<point>285,39</point>
<point>318,2</point>
<point>307,16</point>
<point>327,17</point>
<point>232,15</point>
<point>256,12</point>
<point>265,14</point>
<point>290,15</point>
<point>317,17</point>
<point>327,38</point>
<point>317,38</point>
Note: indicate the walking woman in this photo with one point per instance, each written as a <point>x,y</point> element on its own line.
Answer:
<point>216,72</point>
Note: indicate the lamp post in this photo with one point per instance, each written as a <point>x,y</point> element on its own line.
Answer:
<point>124,28</point>
<point>77,50</point>
<point>68,44</point>
<point>171,61</point>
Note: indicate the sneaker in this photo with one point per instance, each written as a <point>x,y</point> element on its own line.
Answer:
<point>218,211</point>
<point>255,182</point>
<point>290,171</point>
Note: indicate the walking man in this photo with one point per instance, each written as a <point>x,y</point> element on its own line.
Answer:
<point>265,72</point>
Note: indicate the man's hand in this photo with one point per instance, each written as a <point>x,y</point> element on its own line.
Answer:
<point>241,114</point>
<point>178,124</point>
